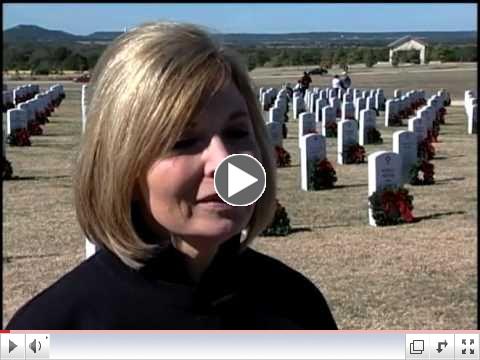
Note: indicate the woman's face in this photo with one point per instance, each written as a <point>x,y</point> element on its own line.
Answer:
<point>180,193</point>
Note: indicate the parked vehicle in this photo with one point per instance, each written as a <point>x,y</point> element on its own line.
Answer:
<point>82,78</point>
<point>318,71</point>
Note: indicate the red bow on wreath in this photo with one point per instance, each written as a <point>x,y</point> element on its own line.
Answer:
<point>427,169</point>
<point>325,165</point>
<point>392,201</point>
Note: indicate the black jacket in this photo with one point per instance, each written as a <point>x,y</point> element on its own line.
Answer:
<point>238,291</point>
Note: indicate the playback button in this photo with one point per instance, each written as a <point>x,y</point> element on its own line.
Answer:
<point>13,346</point>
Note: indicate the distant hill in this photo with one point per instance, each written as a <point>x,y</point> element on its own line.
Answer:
<point>32,33</point>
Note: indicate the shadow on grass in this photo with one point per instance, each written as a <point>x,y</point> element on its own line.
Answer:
<point>444,181</point>
<point>438,215</point>
<point>300,228</point>
<point>21,178</point>
<point>296,229</point>
<point>9,259</point>
<point>46,135</point>
<point>349,186</point>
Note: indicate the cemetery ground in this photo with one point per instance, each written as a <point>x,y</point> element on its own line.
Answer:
<point>412,276</point>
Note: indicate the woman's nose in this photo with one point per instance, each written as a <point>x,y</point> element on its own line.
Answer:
<point>214,154</point>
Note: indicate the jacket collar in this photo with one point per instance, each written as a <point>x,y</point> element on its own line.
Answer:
<point>218,283</point>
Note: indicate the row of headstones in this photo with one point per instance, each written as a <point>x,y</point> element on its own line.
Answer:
<point>20,94</point>
<point>275,111</point>
<point>33,111</point>
<point>309,122</point>
<point>385,168</point>
<point>277,100</point>
<point>36,109</point>
<point>337,97</point>
<point>470,104</point>
<point>400,107</point>
<point>395,109</point>
<point>405,142</point>
<point>350,132</point>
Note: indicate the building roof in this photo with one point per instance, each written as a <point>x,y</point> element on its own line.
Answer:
<point>404,39</point>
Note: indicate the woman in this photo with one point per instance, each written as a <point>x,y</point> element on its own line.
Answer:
<point>167,106</point>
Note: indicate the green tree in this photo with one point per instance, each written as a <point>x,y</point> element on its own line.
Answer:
<point>40,55</point>
<point>446,55</point>
<point>262,57</point>
<point>75,62</point>
<point>369,58</point>
<point>340,57</point>
<point>60,53</point>
<point>92,60</point>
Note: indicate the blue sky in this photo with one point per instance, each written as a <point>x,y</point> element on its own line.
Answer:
<point>83,19</point>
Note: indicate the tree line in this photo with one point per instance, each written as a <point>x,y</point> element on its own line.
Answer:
<point>44,59</point>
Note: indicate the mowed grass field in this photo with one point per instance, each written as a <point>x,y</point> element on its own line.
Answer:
<point>415,276</point>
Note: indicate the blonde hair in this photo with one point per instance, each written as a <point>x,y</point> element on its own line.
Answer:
<point>145,89</point>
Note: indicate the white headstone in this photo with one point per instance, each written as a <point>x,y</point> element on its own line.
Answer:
<point>335,104</point>
<point>312,103</point>
<point>331,94</point>
<point>323,94</point>
<point>28,108</point>
<point>367,120</point>
<point>405,145</point>
<point>312,148</point>
<point>356,94</point>
<point>370,103</point>
<point>281,103</point>
<point>391,106</point>
<point>16,119</point>
<point>383,171</point>
<point>275,114</point>
<point>347,135</point>
<point>427,114</point>
<point>298,106</point>
<point>265,100</point>
<point>397,93</point>
<point>340,93</point>
<point>472,120</point>
<point>90,247</point>
<point>348,111</point>
<point>328,117</point>
<point>417,126</point>
<point>275,133</point>
<point>306,124</point>
<point>360,104</point>
<point>347,97</point>
<point>379,100</point>
<point>319,105</point>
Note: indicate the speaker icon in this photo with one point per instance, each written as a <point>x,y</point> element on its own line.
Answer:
<point>35,346</point>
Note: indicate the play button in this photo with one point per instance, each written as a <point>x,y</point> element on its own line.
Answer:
<point>240,180</point>
<point>11,346</point>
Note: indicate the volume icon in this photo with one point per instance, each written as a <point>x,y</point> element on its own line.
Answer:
<point>35,346</point>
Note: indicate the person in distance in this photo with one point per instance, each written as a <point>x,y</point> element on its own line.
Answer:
<point>336,84</point>
<point>167,105</point>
